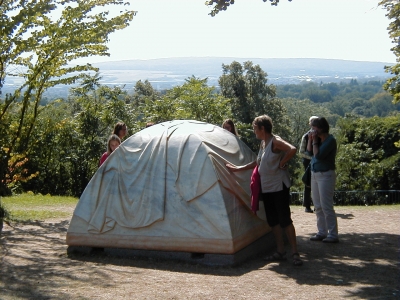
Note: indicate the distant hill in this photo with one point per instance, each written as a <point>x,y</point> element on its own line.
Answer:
<point>167,72</point>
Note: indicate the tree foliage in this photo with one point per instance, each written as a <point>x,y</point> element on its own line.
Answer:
<point>251,96</point>
<point>220,5</point>
<point>143,91</point>
<point>299,112</point>
<point>365,99</point>
<point>193,100</point>
<point>248,88</point>
<point>70,137</point>
<point>393,13</point>
<point>368,158</point>
<point>37,48</point>
<point>78,128</point>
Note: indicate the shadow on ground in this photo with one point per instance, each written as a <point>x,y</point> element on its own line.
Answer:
<point>34,264</point>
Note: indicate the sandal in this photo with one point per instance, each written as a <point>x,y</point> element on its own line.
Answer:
<point>296,259</point>
<point>276,257</point>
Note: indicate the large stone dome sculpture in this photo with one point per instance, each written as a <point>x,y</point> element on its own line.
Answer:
<point>166,188</point>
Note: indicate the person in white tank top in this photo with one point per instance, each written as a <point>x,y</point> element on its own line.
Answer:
<point>275,184</point>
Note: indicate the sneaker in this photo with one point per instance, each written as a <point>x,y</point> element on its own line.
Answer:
<point>317,237</point>
<point>331,240</point>
<point>308,210</point>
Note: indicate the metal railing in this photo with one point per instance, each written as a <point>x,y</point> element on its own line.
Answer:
<point>377,197</point>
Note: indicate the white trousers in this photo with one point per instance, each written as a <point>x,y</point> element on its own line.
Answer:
<point>322,189</point>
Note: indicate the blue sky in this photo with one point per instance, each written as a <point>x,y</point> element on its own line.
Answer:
<point>331,29</point>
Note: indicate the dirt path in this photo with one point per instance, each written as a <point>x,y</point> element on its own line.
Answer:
<point>364,265</point>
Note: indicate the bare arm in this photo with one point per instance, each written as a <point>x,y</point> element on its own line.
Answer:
<point>288,149</point>
<point>234,168</point>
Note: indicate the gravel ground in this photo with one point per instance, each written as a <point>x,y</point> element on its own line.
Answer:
<point>364,265</point>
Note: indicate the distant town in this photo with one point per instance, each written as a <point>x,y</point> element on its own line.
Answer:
<point>168,72</point>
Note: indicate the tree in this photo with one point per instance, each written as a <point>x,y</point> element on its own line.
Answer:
<point>367,157</point>
<point>248,88</point>
<point>392,85</point>
<point>381,104</point>
<point>219,5</point>
<point>37,48</point>
<point>55,140</point>
<point>251,95</point>
<point>70,136</point>
<point>142,91</point>
<point>317,96</point>
<point>299,112</point>
<point>193,100</point>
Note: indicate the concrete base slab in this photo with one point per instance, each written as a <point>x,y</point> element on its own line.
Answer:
<point>259,247</point>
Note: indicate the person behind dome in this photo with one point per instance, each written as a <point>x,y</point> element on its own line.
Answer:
<point>272,162</point>
<point>306,158</point>
<point>230,126</point>
<point>113,143</point>
<point>121,130</point>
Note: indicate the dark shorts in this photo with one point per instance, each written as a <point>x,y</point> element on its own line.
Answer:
<point>277,207</point>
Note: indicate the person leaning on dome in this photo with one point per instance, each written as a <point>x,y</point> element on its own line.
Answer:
<point>272,162</point>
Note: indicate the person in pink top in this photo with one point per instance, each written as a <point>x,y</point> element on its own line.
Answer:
<point>113,143</point>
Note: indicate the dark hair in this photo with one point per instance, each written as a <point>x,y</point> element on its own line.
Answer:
<point>118,127</point>
<point>230,123</point>
<point>321,123</point>
<point>265,121</point>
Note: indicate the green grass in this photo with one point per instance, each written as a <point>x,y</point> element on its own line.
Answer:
<point>28,206</point>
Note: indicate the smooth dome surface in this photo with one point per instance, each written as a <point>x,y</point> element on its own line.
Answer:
<point>167,188</point>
